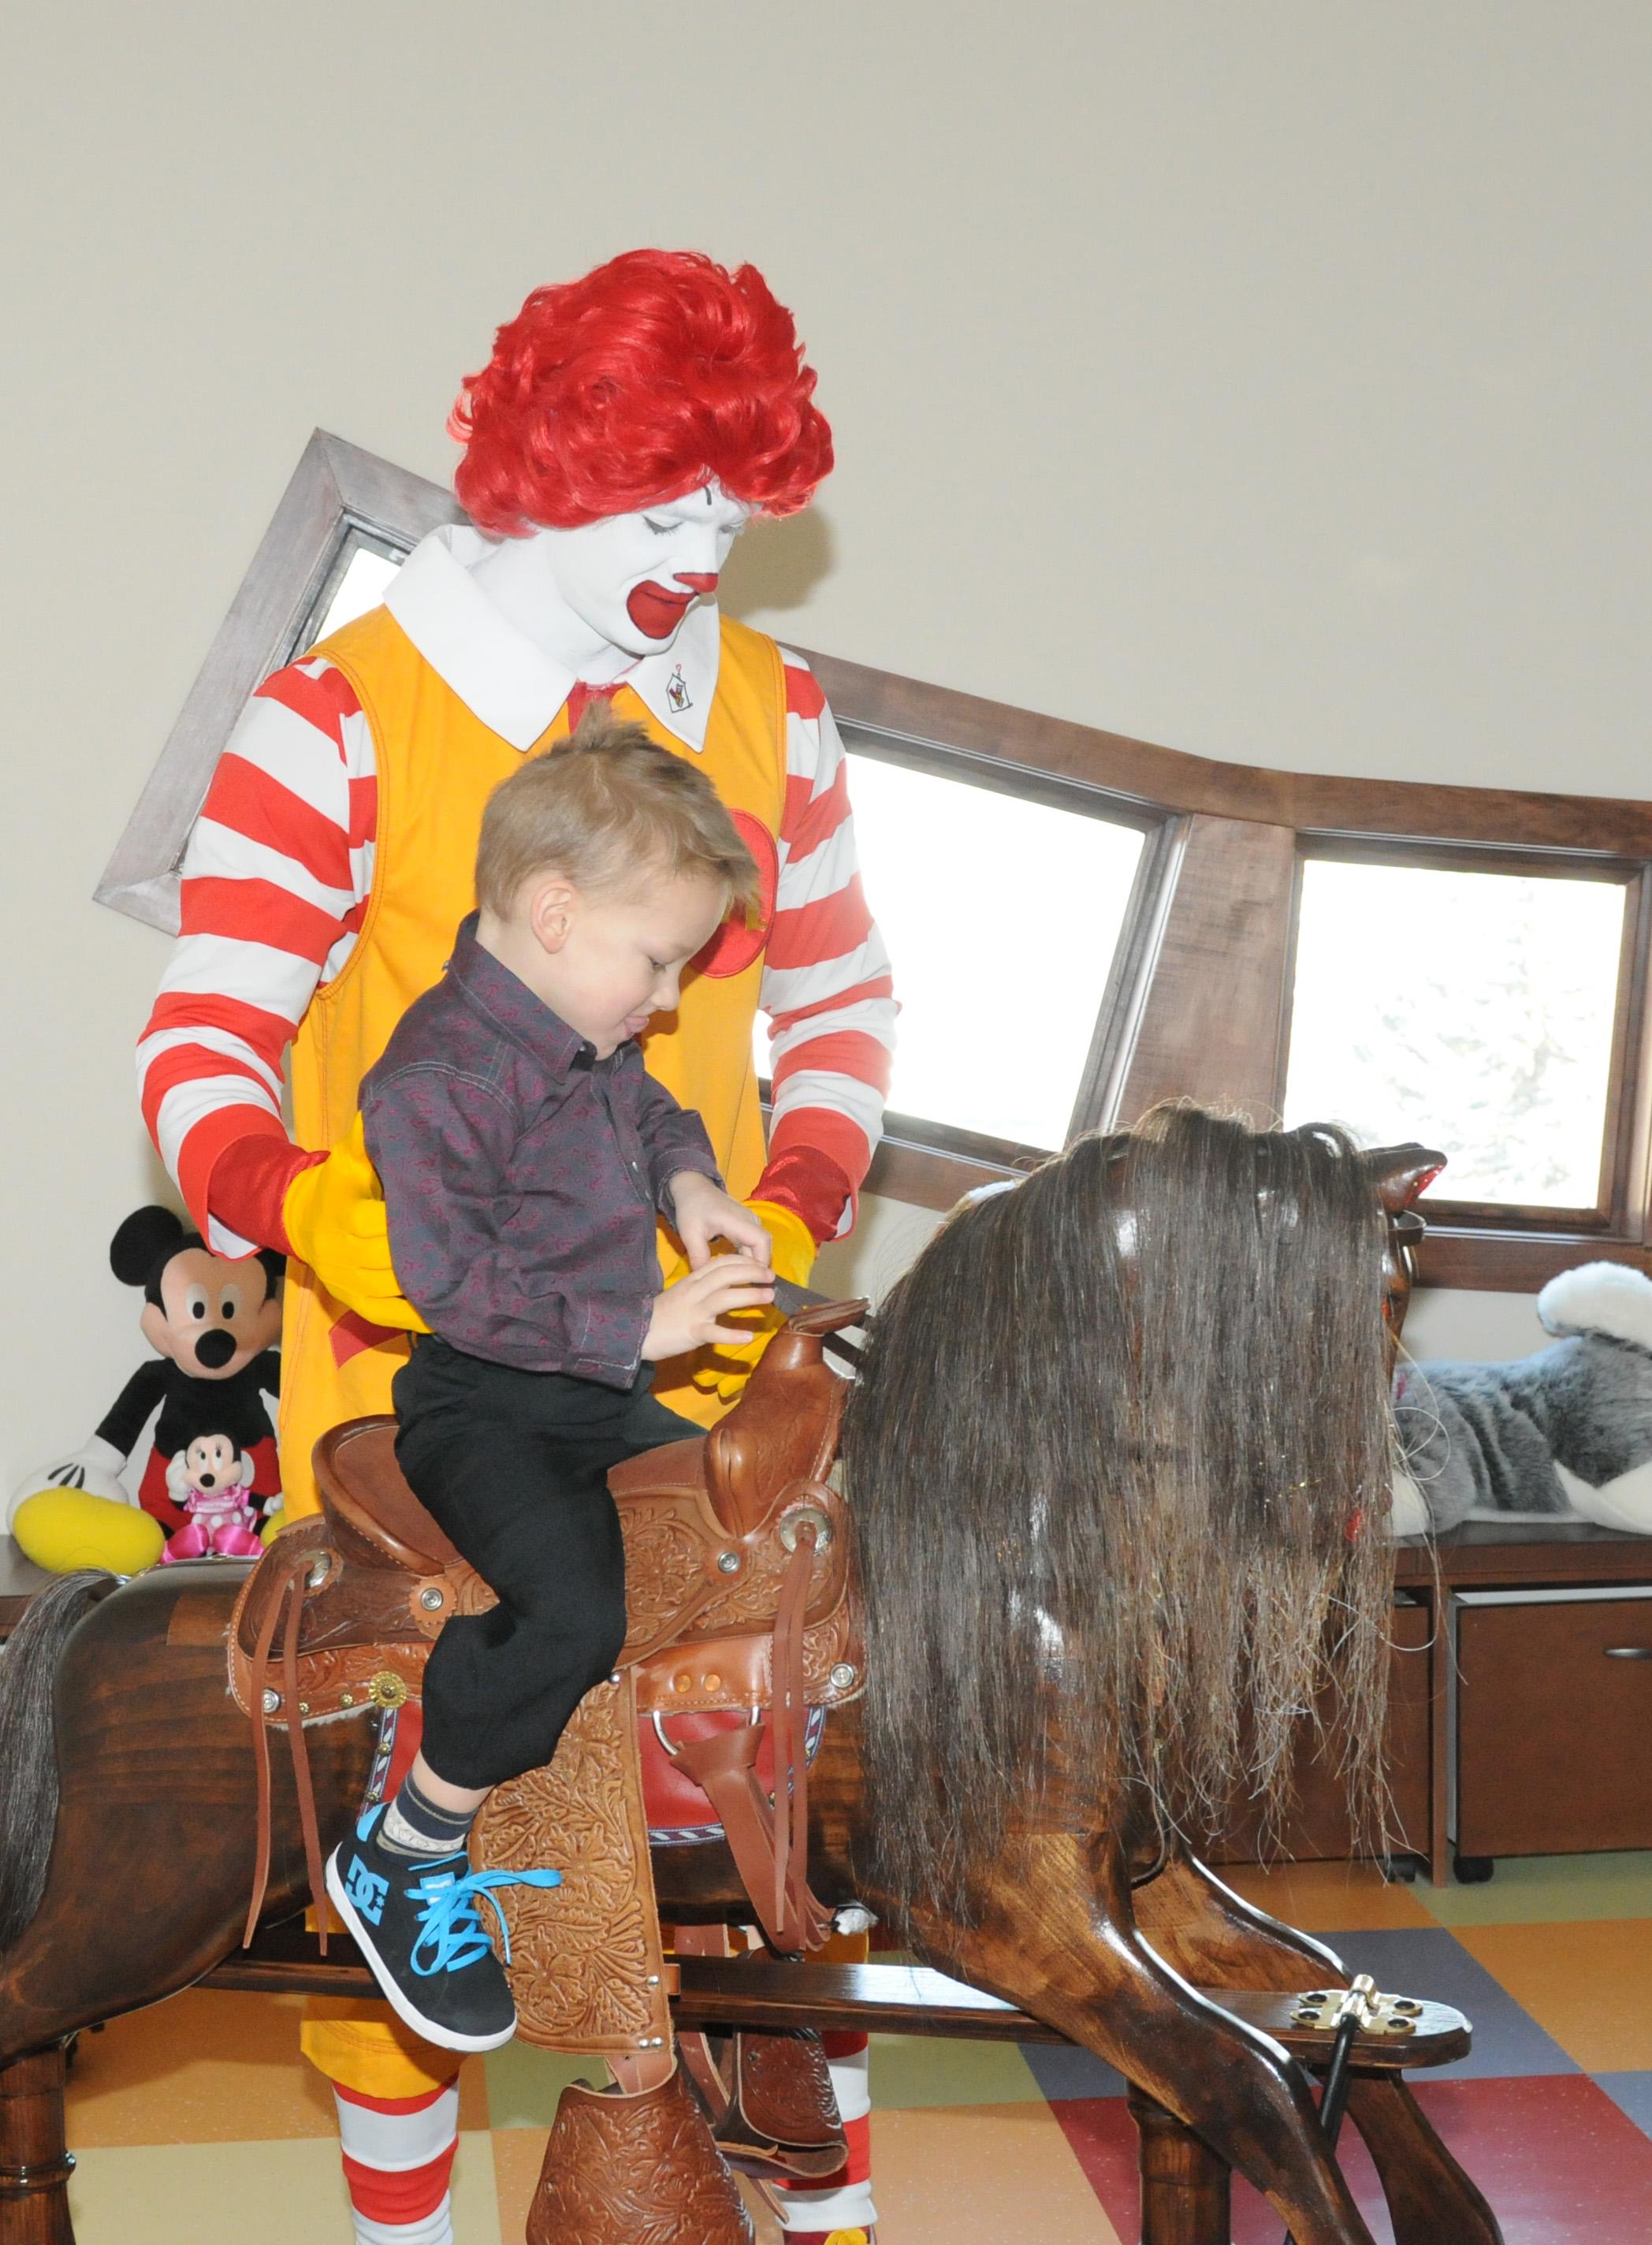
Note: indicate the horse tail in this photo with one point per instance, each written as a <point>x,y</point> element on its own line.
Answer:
<point>28,1744</point>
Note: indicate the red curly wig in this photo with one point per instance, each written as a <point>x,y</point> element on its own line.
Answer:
<point>657,373</point>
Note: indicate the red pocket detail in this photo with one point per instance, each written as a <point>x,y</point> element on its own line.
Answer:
<point>735,945</point>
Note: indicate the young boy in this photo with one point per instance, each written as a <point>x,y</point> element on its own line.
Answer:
<point>525,1153</point>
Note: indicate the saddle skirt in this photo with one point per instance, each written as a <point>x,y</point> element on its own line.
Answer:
<point>739,1600</point>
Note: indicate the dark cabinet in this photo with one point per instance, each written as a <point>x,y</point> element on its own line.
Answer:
<point>1551,1720</point>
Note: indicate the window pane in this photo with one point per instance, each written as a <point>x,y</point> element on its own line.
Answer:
<point>1472,1011</point>
<point>366,573</point>
<point>1001,917</point>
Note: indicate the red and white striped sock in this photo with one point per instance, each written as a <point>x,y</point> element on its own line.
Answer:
<point>842,2206</point>
<point>398,2154</point>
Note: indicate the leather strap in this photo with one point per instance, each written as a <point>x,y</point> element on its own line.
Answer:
<point>716,2094</point>
<point>770,1844</point>
<point>787,1719</point>
<point>301,1755</point>
<point>290,1568</point>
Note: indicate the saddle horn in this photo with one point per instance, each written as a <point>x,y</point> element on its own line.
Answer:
<point>784,1427</point>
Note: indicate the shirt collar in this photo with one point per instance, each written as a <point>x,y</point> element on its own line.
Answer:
<point>513,686</point>
<point>491,988</point>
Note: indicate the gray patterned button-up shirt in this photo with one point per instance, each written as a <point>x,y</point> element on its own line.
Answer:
<point>522,1173</point>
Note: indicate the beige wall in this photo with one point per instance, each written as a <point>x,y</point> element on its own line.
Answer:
<point>1265,380</point>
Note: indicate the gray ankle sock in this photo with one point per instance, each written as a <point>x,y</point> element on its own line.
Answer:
<point>415,1826</point>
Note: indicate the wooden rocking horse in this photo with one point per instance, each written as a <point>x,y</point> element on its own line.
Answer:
<point>1115,1467</point>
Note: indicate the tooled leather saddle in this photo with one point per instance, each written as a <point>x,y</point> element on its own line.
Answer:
<point>741,1621</point>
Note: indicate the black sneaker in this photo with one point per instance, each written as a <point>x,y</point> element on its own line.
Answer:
<point>414,1919</point>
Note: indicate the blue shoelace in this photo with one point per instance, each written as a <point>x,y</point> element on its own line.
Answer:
<point>448,1924</point>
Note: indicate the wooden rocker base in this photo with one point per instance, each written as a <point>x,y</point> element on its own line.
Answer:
<point>1185,2187</point>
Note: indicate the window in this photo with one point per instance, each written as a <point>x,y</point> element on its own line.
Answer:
<point>1475,1010</point>
<point>358,582</point>
<point>1002,917</point>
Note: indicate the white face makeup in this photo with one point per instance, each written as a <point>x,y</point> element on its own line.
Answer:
<point>630,578</point>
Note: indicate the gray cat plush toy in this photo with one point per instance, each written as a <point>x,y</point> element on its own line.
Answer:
<point>1564,1435</point>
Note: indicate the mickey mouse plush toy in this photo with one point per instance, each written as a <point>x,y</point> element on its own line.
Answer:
<point>215,1323</point>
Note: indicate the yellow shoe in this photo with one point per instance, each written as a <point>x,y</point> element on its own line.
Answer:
<point>63,1529</point>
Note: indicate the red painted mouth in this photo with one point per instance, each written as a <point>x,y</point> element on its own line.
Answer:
<point>657,610</point>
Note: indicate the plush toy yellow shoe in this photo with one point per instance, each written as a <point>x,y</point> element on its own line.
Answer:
<point>63,1529</point>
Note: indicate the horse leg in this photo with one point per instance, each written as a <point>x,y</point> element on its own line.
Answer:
<point>1209,1933</point>
<point>1187,2196</point>
<point>1056,1934</point>
<point>35,2159</point>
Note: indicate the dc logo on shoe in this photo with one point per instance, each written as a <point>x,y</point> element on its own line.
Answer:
<point>366,1890</point>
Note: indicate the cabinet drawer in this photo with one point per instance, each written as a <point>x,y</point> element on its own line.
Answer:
<point>1554,1722</point>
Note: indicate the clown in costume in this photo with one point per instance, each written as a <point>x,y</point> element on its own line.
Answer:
<point>627,427</point>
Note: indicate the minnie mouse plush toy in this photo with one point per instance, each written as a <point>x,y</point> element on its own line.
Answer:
<point>211,1474</point>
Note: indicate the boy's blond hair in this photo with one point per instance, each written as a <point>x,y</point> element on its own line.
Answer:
<point>606,809</point>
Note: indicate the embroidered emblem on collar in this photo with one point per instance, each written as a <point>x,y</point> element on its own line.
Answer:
<point>677,692</point>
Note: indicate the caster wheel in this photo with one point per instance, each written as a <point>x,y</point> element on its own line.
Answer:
<point>1398,1870</point>
<point>1474,1870</point>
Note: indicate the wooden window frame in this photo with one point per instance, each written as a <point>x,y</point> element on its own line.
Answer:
<point>1197,1002</point>
<point>339,495</point>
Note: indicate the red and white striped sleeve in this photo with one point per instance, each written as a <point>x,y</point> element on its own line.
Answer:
<point>826,984</point>
<point>275,881</point>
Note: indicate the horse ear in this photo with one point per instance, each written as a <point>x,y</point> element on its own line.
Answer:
<point>1402,1173</point>
<point>146,1235</point>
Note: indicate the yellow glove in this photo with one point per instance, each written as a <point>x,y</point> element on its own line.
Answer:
<point>725,1371</point>
<point>337,1223</point>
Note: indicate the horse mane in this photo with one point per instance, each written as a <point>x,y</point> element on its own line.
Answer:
<point>1119,1459</point>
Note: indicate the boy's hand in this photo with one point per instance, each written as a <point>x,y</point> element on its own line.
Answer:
<point>704,1212</point>
<point>685,1315</point>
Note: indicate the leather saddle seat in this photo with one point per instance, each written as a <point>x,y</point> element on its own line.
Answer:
<point>711,1527</point>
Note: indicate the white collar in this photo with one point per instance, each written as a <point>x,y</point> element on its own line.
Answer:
<point>513,686</point>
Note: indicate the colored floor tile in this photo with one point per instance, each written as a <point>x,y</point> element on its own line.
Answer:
<point>524,2082</point>
<point>1062,2070</point>
<point>999,2172</point>
<point>1631,2093</point>
<point>1328,1897</point>
<point>1534,1889</point>
<point>1509,2037</point>
<point>1558,2162</point>
<point>1586,1985</point>
<point>912,2071</point>
<point>258,2194</point>
<point>209,2066</point>
<point>201,2068</point>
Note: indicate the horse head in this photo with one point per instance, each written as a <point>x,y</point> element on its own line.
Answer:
<point>1114,1456</point>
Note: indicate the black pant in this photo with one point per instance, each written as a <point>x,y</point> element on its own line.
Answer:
<point>512,1466</point>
